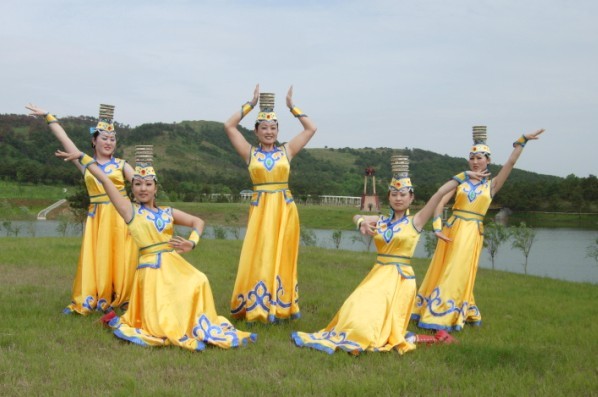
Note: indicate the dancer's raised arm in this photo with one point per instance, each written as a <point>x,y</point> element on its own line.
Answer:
<point>297,143</point>
<point>230,126</point>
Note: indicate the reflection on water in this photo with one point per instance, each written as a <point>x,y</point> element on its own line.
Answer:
<point>555,253</point>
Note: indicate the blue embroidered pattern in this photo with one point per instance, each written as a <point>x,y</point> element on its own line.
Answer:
<point>160,218</point>
<point>474,190</point>
<point>213,333</point>
<point>337,339</point>
<point>259,297</point>
<point>387,228</point>
<point>109,167</point>
<point>269,159</point>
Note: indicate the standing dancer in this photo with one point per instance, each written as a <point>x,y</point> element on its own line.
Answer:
<point>171,302</point>
<point>108,255</point>
<point>445,298</point>
<point>376,315</point>
<point>266,287</point>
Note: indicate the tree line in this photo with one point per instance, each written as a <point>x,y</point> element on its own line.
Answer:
<point>195,159</point>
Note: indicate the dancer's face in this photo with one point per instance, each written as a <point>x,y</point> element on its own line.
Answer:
<point>105,144</point>
<point>400,200</point>
<point>478,162</point>
<point>144,190</point>
<point>267,133</point>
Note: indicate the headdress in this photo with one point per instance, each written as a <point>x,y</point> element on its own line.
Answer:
<point>105,121</point>
<point>144,156</point>
<point>266,108</point>
<point>400,173</point>
<point>479,141</point>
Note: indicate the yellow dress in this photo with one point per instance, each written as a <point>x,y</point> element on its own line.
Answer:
<point>266,287</point>
<point>171,302</point>
<point>376,315</point>
<point>108,256</point>
<point>445,298</point>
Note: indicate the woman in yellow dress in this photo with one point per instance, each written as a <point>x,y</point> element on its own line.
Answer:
<point>266,288</point>
<point>108,256</point>
<point>171,302</point>
<point>445,298</point>
<point>376,315</point>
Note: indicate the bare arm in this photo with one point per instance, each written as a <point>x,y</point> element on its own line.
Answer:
<point>499,180</point>
<point>120,202</point>
<point>366,224</point>
<point>295,145</point>
<point>59,132</point>
<point>234,135</point>
<point>436,203</point>
<point>179,243</point>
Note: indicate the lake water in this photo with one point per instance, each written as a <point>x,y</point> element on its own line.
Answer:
<point>555,253</point>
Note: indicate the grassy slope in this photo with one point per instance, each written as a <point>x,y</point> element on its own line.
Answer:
<point>538,337</point>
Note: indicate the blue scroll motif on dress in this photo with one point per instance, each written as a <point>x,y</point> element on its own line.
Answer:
<point>109,167</point>
<point>269,159</point>
<point>160,218</point>
<point>388,229</point>
<point>474,190</point>
<point>337,339</point>
<point>212,333</point>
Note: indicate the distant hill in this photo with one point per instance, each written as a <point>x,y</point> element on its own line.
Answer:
<point>196,157</point>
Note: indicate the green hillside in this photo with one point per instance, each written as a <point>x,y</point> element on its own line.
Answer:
<point>195,158</point>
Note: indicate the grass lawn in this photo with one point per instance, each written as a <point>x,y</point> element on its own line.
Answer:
<point>538,337</point>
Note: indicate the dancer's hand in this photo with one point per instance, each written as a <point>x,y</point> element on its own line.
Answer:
<point>181,245</point>
<point>442,236</point>
<point>290,98</point>
<point>256,95</point>
<point>534,135</point>
<point>66,156</point>
<point>368,228</point>
<point>36,110</point>
<point>478,174</point>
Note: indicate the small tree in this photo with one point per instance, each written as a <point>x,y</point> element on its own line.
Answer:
<point>219,232</point>
<point>494,235</point>
<point>364,239</point>
<point>337,236</point>
<point>233,221</point>
<point>592,250</point>
<point>308,237</point>
<point>523,239</point>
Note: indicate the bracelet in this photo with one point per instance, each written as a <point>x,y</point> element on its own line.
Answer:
<point>50,118</point>
<point>437,224</point>
<point>297,112</point>
<point>246,108</point>
<point>86,160</point>
<point>194,238</point>
<point>521,141</point>
<point>461,177</point>
<point>360,220</point>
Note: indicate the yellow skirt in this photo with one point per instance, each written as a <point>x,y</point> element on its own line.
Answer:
<point>445,298</point>
<point>172,304</point>
<point>374,317</point>
<point>266,288</point>
<point>106,265</point>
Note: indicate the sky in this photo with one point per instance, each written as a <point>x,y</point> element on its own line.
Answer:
<point>376,73</point>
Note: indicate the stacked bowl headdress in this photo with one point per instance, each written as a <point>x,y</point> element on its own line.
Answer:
<point>105,121</point>
<point>399,165</point>
<point>144,157</point>
<point>266,113</point>
<point>479,141</point>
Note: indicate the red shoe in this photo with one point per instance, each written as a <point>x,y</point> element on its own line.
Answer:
<point>107,317</point>
<point>444,337</point>
<point>427,339</point>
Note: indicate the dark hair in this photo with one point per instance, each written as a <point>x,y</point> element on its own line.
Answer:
<point>259,122</point>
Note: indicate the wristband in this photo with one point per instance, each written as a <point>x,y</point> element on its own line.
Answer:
<point>437,224</point>
<point>246,108</point>
<point>297,112</point>
<point>521,141</point>
<point>50,118</point>
<point>86,160</point>
<point>460,178</point>
<point>360,220</point>
<point>194,237</point>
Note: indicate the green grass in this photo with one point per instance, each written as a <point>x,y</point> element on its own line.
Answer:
<point>23,201</point>
<point>538,337</point>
